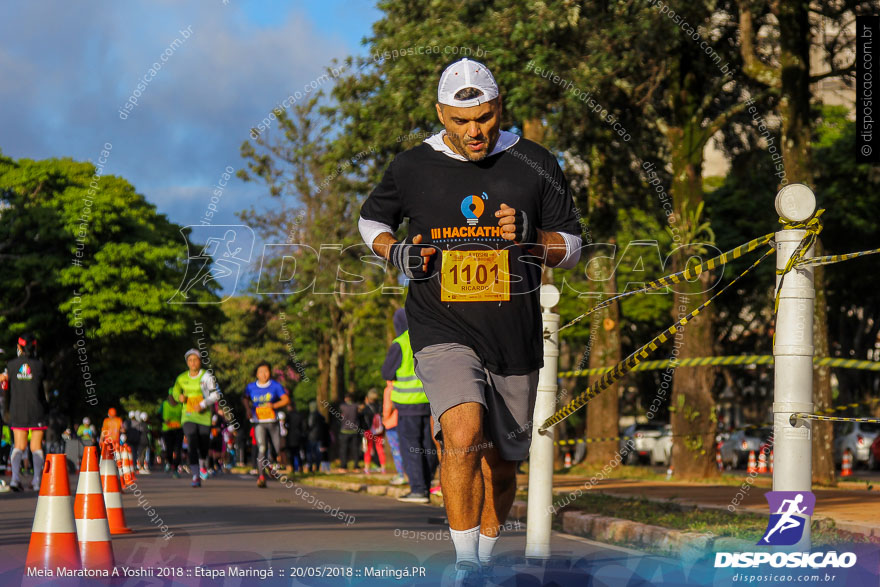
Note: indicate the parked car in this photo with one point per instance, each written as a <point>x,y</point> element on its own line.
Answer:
<point>662,450</point>
<point>735,450</point>
<point>874,456</point>
<point>857,437</point>
<point>643,436</point>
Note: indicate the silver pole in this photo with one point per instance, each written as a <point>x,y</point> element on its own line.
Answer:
<point>539,518</point>
<point>793,355</point>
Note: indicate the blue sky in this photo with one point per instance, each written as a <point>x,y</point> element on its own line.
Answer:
<point>67,68</point>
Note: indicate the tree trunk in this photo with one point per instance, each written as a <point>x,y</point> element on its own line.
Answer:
<point>533,130</point>
<point>350,356</point>
<point>794,99</point>
<point>823,432</point>
<point>602,411</point>
<point>692,406</point>
<point>323,396</point>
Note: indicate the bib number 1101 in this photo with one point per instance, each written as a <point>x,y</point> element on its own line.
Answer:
<point>475,276</point>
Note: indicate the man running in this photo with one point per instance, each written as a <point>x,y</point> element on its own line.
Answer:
<point>485,208</point>
<point>27,402</point>
<point>112,428</point>
<point>262,398</point>
<point>196,390</point>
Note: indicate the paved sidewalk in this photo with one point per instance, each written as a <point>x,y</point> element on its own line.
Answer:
<point>853,510</point>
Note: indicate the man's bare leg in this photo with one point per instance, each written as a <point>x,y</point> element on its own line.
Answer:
<point>499,482</point>
<point>461,477</point>
<point>499,491</point>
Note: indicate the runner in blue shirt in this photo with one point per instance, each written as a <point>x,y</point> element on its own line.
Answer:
<point>263,398</point>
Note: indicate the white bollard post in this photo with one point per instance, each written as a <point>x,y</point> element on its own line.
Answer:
<point>793,355</point>
<point>539,518</point>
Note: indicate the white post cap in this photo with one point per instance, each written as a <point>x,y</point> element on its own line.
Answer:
<point>549,296</point>
<point>795,202</point>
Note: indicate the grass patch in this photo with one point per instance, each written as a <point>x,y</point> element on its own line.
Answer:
<point>644,473</point>
<point>718,522</point>
<point>377,479</point>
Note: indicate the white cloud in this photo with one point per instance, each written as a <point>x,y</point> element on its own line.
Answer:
<point>66,71</point>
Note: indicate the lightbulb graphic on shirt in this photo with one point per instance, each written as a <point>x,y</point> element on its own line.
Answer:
<point>472,207</point>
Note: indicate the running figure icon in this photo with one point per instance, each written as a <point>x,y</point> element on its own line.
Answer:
<point>786,522</point>
<point>788,517</point>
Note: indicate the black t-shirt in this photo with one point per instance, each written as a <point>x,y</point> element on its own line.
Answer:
<point>27,402</point>
<point>452,204</point>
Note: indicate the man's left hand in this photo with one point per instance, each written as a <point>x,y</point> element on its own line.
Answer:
<point>516,226</point>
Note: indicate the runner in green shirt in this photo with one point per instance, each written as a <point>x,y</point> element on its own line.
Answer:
<point>197,392</point>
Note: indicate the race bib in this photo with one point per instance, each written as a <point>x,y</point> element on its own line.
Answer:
<point>475,276</point>
<point>192,403</point>
<point>265,412</point>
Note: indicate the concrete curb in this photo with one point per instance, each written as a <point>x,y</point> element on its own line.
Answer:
<point>637,535</point>
<point>369,489</point>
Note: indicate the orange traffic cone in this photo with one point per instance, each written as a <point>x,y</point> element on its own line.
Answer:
<point>132,466</point>
<point>568,459</point>
<point>846,466</point>
<point>53,537</point>
<point>92,528</point>
<point>752,467</point>
<point>125,471</point>
<point>771,461</point>
<point>112,492</point>
<point>762,462</point>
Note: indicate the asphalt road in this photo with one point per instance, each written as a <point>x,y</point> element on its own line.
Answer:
<point>365,540</point>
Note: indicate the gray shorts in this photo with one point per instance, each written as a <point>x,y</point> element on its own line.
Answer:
<point>452,374</point>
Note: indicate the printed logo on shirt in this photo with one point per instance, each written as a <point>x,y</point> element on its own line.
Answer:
<point>24,373</point>
<point>472,208</point>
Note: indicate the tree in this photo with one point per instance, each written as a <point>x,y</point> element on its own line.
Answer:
<point>316,273</point>
<point>785,68</point>
<point>88,265</point>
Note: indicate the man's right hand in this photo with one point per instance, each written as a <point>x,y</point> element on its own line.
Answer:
<point>412,258</point>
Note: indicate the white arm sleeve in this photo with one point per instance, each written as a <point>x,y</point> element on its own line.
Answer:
<point>572,250</point>
<point>370,229</point>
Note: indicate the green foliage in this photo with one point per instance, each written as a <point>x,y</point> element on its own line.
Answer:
<point>850,194</point>
<point>86,258</point>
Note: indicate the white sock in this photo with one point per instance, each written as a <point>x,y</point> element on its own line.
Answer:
<point>38,468</point>
<point>17,457</point>
<point>466,543</point>
<point>485,549</point>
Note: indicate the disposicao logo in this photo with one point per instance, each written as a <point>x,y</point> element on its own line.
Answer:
<point>786,525</point>
<point>791,560</point>
<point>788,517</point>
<point>472,207</point>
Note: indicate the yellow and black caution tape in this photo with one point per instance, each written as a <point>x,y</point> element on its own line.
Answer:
<point>829,259</point>
<point>795,417</point>
<point>637,357</point>
<point>731,360</point>
<point>573,441</point>
<point>850,406</point>
<point>686,275</point>
<point>813,227</point>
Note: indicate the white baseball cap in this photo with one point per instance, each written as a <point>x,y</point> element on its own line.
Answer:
<point>466,73</point>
